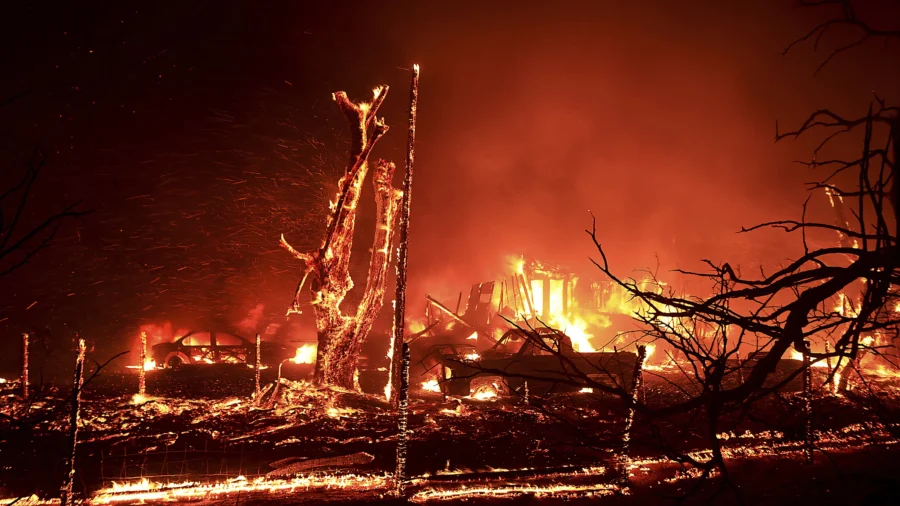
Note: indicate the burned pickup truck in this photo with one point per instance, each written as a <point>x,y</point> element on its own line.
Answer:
<point>541,360</point>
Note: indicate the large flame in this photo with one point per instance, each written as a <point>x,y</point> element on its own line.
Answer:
<point>575,328</point>
<point>431,385</point>
<point>306,354</point>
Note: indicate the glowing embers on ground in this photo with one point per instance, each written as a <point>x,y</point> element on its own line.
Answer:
<point>306,354</point>
<point>511,490</point>
<point>485,389</point>
<point>149,365</point>
<point>145,490</point>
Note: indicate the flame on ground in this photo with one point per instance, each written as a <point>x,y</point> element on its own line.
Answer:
<point>306,354</point>
<point>145,490</point>
<point>486,391</point>
<point>515,490</point>
<point>431,385</point>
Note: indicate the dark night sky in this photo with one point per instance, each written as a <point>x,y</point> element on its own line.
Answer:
<point>198,131</point>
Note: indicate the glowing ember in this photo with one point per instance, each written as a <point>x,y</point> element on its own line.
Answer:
<point>306,354</point>
<point>515,490</point>
<point>485,392</point>
<point>884,372</point>
<point>149,364</point>
<point>472,356</point>
<point>431,385</point>
<point>145,490</point>
<point>473,336</point>
<point>586,390</point>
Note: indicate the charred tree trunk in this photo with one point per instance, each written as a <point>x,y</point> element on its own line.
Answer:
<point>340,337</point>
<point>74,416</point>
<point>403,251</point>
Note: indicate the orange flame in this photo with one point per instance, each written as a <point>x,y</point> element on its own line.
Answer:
<point>306,354</point>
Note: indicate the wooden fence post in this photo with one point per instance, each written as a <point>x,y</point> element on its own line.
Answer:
<point>142,382</point>
<point>25,366</point>
<point>402,423</point>
<point>636,384</point>
<point>66,499</point>
<point>807,408</point>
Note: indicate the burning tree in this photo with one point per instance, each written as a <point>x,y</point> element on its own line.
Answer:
<point>340,336</point>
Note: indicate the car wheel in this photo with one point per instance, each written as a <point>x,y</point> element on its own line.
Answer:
<point>175,362</point>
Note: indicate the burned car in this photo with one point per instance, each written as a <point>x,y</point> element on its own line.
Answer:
<point>207,347</point>
<point>542,358</point>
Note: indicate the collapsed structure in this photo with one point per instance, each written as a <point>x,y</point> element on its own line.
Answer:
<point>536,322</point>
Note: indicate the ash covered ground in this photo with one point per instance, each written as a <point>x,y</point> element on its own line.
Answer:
<point>204,426</point>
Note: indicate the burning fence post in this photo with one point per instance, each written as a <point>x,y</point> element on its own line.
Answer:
<point>403,249</point>
<point>402,422</point>
<point>258,362</point>
<point>830,376</point>
<point>66,498</point>
<point>142,383</point>
<point>807,407</point>
<point>636,380</point>
<point>25,365</point>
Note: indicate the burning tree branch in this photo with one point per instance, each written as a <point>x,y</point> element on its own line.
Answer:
<point>340,336</point>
